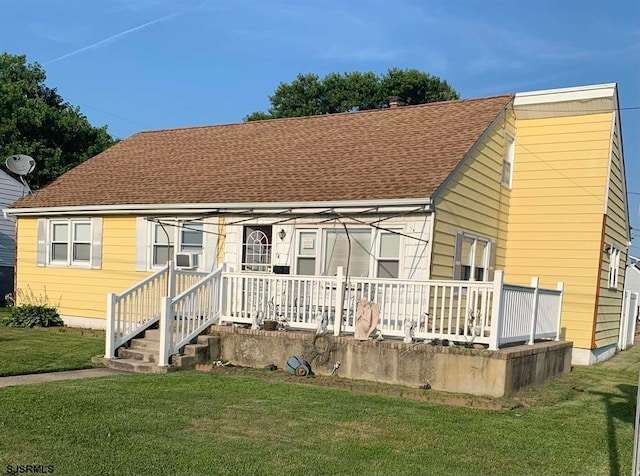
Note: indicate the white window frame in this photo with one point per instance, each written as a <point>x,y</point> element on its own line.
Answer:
<point>322,251</point>
<point>473,241</point>
<point>297,255</point>
<point>337,231</point>
<point>172,232</point>
<point>377,257</point>
<point>614,267</point>
<point>194,225</point>
<point>174,229</point>
<point>507,161</point>
<point>69,261</point>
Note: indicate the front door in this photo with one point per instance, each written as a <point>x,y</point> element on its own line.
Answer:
<point>256,248</point>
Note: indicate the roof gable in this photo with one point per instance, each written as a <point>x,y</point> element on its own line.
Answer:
<point>380,155</point>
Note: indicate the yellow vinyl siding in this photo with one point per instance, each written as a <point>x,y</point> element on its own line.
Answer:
<point>80,292</point>
<point>615,233</point>
<point>474,201</point>
<point>557,204</point>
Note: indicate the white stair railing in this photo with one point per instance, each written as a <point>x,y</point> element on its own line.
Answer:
<point>134,310</point>
<point>187,315</point>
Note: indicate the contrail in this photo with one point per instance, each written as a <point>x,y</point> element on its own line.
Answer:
<point>112,38</point>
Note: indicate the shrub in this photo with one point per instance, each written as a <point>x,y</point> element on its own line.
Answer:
<point>32,311</point>
<point>29,315</point>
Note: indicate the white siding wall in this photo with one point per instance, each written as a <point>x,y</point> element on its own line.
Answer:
<point>632,278</point>
<point>10,191</point>
<point>414,260</point>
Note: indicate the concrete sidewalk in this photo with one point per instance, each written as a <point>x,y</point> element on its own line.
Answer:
<point>56,376</point>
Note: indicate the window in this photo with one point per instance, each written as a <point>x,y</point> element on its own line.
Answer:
<point>507,162</point>
<point>473,258</point>
<point>60,242</point>
<point>160,240</point>
<point>388,255</point>
<point>337,249</point>
<point>81,242</point>
<point>323,250</point>
<point>614,267</point>
<point>256,248</point>
<point>70,242</point>
<point>162,247</point>
<point>306,252</point>
<point>191,238</point>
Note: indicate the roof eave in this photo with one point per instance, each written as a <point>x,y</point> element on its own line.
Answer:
<point>258,208</point>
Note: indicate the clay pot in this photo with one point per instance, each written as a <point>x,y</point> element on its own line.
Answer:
<point>270,325</point>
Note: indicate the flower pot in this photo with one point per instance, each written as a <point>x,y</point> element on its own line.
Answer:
<point>270,325</point>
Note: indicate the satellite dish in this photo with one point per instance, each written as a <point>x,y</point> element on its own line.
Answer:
<point>20,164</point>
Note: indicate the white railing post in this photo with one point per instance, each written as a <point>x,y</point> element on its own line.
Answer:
<point>222,293</point>
<point>535,283</point>
<point>165,332</point>
<point>337,324</point>
<point>171,280</point>
<point>110,350</point>
<point>561,297</point>
<point>497,312</point>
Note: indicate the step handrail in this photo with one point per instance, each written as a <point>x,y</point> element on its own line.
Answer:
<point>136,309</point>
<point>187,315</point>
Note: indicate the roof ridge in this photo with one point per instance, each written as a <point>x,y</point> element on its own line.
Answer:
<point>317,116</point>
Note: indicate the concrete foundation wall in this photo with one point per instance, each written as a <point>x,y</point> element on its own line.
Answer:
<point>480,372</point>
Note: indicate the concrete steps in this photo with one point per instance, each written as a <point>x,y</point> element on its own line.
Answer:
<point>143,354</point>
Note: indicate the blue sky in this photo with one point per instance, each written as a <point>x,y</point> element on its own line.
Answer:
<point>151,64</point>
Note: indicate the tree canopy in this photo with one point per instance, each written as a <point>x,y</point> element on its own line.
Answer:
<point>36,121</point>
<point>309,95</point>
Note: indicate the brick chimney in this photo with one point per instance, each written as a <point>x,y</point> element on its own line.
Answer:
<point>393,101</point>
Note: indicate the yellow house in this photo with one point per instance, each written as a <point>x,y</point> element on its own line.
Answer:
<point>530,184</point>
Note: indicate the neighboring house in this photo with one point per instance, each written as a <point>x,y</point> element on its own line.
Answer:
<point>631,303</point>
<point>10,191</point>
<point>632,279</point>
<point>532,184</point>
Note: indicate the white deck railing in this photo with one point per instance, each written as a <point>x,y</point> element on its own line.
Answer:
<point>187,315</point>
<point>529,313</point>
<point>492,313</point>
<point>136,309</point>
<point>464,311</point>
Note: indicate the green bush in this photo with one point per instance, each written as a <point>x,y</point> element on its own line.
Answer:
<point>31,315</point>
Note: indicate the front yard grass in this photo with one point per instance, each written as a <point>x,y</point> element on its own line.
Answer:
<point>229,423</point>
<point>25,351</point>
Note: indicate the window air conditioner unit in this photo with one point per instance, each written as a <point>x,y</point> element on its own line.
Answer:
<point>186,260</point>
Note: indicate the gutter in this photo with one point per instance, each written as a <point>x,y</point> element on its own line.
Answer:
<point>351,206</point>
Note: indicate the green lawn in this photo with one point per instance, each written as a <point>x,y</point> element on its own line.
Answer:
<point>250,422</point>
<point>25,351</point>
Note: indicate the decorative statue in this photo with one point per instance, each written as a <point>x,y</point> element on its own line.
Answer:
<point>367,317</point>
<point>323,323</point>
<point>409,330</point>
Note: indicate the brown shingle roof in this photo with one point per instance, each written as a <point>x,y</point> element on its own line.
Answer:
<point>405,152</point>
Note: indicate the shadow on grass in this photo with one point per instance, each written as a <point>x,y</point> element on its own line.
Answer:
<point>620,405</point>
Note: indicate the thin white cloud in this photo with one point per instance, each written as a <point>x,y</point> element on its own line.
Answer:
<point>112,38</point>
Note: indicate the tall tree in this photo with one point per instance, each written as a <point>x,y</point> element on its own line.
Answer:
<point>35,120</point>
<point>309,95</point>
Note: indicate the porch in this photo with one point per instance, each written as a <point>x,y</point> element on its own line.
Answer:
<point>184,304</point>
